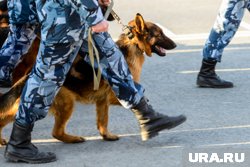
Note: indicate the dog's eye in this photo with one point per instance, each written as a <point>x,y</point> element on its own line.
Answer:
<point>160,34</point>
<point>157,35</point>
<point>153,34</point>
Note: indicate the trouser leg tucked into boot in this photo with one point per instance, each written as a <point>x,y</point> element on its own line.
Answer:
<point>208,78</point>
<point>152,122</point>
<point>20,148</point>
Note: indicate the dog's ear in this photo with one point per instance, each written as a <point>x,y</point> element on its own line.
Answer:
<point>140,24</point>
<point>140,28</point>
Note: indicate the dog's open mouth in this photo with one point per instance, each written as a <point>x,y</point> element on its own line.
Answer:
<point>159,50</point>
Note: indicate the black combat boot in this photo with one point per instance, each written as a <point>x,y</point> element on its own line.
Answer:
<point>20,148</point>
<point>152,122</point>
<point>208,78</point>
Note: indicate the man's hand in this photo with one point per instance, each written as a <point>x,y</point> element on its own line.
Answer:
<point>100,27</point>
<point>104,2</point>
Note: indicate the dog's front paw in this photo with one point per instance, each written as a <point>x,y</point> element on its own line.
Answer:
<point>66,138</point>
<point>110,137</point>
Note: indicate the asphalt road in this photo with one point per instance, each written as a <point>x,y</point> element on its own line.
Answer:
<point>217,118</point>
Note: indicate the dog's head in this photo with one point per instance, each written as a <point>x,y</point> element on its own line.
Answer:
<point>150,37</point>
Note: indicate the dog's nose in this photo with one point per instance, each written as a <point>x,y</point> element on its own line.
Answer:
<point>171,45</point>
<point>174,45</point>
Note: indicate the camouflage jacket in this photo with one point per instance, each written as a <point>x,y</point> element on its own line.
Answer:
<point>26,12</point>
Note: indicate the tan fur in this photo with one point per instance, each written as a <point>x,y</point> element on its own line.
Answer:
<point>3,21</point>
<point>63,105</point>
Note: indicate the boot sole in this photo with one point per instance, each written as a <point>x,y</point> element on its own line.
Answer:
<point>16,159</point>
<point>204,85</point>
<point>155,132</point>
<point>214,86</point>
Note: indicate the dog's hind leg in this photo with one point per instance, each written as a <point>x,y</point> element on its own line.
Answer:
<point>3,122</point>
<point>63,108</point>
<point>102,109</point>
<point>6,117</point>
<point>2,140</point>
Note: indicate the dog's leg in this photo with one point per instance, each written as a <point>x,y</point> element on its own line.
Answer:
<point>102,109</point>
<point>7,117</point>
<point>2,140</point>
<point>3,122</point>
<point>63,108</point>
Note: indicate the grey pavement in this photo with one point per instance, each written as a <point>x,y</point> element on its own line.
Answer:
<point>217,118</point>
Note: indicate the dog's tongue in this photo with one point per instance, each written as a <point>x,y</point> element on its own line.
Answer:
<point>162,50</point>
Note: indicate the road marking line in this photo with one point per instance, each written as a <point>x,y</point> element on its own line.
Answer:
<point>200,50</point>
<point>200,36</point>
<point>190,37</point>
<point>187,37</point>
<point>43,141</point>
<point>54,141</point>
<point>227,144</point>
<point>210,129</point>
<point>218,70</point>
<point>205,145</point>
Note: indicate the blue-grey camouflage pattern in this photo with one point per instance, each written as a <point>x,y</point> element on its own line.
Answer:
<point>22,12</point>
<point>227,23</point>
<point>115,70</point>
<point>18,42</point>
<point>23,21</point>
<point>64,25</point>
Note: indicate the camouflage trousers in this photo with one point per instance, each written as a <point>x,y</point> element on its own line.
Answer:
<point>54,62</point>
<point>63,32</point>
<point>226,24</point>
<point>18,42</point>
<point>23,21</point>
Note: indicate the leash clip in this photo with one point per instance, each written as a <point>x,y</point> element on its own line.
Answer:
<point>125,28</point>
<point>128,31</point>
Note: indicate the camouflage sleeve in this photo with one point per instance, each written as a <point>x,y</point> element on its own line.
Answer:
<point>89,10</point>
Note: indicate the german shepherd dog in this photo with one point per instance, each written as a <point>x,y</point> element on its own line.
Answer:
<point>147,38</point>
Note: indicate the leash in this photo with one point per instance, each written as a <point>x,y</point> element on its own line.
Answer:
<point>93,52</point>
<point>125,28</point>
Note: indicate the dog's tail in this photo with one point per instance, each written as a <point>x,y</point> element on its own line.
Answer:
<point>8,99</point>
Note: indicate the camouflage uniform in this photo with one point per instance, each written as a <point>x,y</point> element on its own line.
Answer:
<point>64,25</point>
<point>23,21</point>
<point>226,25</point>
